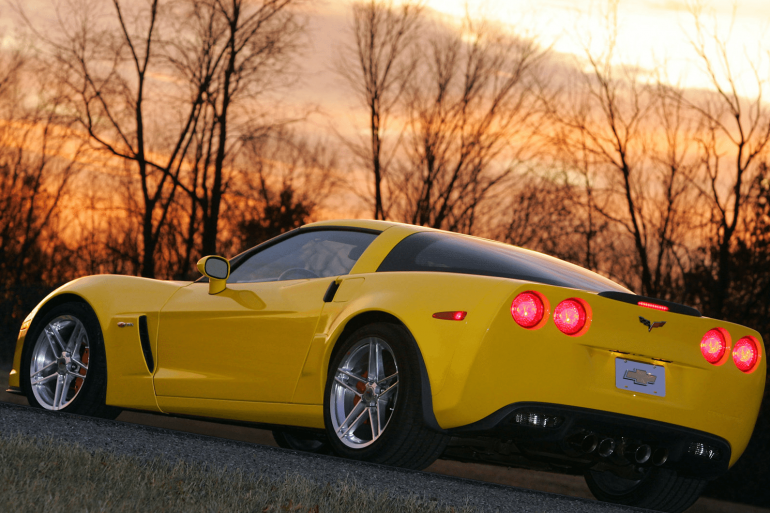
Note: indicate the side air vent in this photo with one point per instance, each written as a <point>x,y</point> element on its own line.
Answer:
<point>635,300</point>
<point>144,337</point>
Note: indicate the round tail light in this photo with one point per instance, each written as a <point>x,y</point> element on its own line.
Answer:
<point>528,310</point>
<point>746,354</point>
<point>570,316</point>
<point>713,345</point>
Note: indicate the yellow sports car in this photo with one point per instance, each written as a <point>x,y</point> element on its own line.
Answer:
<point>400,344</point>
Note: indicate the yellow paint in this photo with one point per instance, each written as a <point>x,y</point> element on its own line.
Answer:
<point>260,351</point>
<point>216,285</point>
<point>305,415</point>
<point>129,383</point>
<point>246,344</point>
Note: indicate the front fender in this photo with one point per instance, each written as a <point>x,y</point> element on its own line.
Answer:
<point>112,297</point>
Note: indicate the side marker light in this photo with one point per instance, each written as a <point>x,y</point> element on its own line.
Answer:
<point>450,316</point>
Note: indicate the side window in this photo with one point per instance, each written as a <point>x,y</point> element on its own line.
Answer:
<point>447,253</point>
<point>313,254</point>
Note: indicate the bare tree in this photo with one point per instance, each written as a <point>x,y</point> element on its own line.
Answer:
<point>190,73</point>
<point>736,135</point>
<point>628,141</point>
<point>284,182</point>
<point>37,163</point>
<point>470,111</point>
<point>236,52</point>
<point>376,67</point>
<point>107,67</point>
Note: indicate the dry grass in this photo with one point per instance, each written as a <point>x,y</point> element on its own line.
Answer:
<point>43,475</point>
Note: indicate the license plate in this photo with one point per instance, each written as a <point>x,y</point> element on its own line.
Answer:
<point>640,377</point>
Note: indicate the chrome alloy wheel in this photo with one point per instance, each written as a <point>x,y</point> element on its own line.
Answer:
<point>59,364</point>
<point>364,392</point>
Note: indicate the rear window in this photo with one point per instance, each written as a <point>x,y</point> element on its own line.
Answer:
<point>448,253</point>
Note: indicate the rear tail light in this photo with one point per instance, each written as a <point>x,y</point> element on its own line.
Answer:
<point>570,316</point>
<point>528,310</point>
<point>746,354</point>
<point>714,345</point>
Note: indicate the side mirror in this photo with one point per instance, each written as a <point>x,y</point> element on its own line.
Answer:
<point>217,270</point>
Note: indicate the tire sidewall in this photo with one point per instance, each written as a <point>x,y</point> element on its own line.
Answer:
<point>407,408</point>
<point>93,391</point>
<point>656,490</point>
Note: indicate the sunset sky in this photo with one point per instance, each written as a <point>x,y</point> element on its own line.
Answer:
<point>650,31</point>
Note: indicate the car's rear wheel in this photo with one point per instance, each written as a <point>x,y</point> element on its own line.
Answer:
<point>660,489</point>
<point>372,400</point>
<point>64,367</point>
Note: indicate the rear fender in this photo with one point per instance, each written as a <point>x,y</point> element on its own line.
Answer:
<point>409,299</point>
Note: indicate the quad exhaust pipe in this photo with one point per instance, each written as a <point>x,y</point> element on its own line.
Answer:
<point>587,443</point>
<point>659,456</point>
<point>605,447</point>
<point>638,453</point>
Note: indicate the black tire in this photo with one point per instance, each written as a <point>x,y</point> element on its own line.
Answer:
<point>89,398</point>
<point>660,489</point>
<point>305,442</point>
<point>405,441</point>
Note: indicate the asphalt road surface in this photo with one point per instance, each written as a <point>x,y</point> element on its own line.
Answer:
<point>149,442</point>
<point>485,487</point>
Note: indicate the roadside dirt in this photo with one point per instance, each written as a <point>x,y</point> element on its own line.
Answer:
<point>534,480</point>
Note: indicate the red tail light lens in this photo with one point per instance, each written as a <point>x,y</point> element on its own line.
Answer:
<point>528,309</point>
<point>746,354</point>
<point>713,345</point>
<point>570,316</point>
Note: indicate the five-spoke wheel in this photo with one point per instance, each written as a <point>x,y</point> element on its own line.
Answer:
<point>59,364</point>
<point>373,407</point>
<point>64,367</point>
<point>364,392</point>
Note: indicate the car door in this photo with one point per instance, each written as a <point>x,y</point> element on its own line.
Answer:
<point>249,342</point>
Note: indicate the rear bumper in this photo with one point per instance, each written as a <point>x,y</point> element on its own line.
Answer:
<point>573,437</point>
<point>507,364</point>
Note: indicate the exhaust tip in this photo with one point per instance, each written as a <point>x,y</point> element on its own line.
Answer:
<point>642,454</point>
<point>660,456</point>
<point>587,443</point>
<point>606,447</point>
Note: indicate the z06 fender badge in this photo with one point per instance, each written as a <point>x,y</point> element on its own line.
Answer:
<point>125,324</point>
<point>651,324</point>
<point>640,377</point>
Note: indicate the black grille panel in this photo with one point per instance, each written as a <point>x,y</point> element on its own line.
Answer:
<point>144,337</point>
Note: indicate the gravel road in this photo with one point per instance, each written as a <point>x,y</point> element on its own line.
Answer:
<point>149,442</point>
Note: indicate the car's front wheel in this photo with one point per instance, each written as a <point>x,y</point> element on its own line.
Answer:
<point>660,489</point>
<point>372,400</point>
<point>64,367</point>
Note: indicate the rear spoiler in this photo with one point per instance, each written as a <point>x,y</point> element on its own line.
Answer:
<point>636,300</point>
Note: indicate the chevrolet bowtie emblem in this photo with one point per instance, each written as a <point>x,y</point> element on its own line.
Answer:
<point>651,324</point>
<point>640,377</point>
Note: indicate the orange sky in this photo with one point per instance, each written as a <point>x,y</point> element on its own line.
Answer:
<point>650,31</point>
